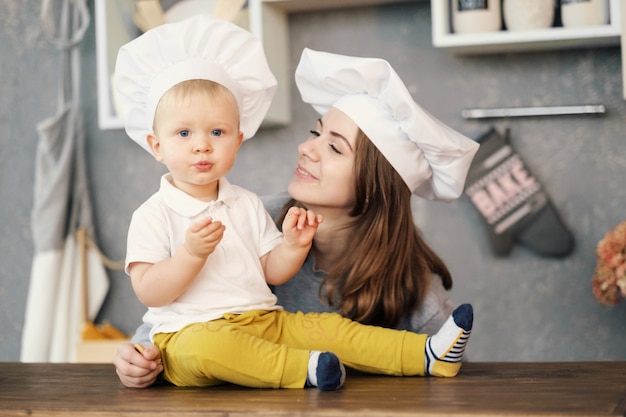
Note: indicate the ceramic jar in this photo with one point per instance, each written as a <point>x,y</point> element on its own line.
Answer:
<point>471,16</point>
<point>528,14</point>
<point>584,12</point>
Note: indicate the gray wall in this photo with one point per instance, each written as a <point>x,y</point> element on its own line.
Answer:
<point>527,308</point>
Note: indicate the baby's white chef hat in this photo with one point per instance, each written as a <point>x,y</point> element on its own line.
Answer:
<point>432,159</point>
<point>196,48</point>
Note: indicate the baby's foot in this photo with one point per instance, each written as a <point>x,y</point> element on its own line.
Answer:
<point>445,350</point>
<point>326,372</point>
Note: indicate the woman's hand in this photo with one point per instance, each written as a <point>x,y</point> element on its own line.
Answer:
<point>137,370</point>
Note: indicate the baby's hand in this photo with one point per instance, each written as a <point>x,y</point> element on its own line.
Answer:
<point>300,225</point>
<point>203,237</point>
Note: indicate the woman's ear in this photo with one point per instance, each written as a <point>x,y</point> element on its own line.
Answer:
<point>155,146</point>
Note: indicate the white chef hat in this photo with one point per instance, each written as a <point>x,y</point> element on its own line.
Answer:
<point>432,159</point>
<point>196,48</point>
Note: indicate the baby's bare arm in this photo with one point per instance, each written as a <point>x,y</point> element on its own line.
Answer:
<point>161,283</point>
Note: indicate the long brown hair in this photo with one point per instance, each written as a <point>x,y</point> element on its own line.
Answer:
<point>386,271</point>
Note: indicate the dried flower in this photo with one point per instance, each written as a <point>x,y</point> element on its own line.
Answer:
<point>609,279</point>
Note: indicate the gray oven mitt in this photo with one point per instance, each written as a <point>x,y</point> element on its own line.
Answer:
<point>512,202</point>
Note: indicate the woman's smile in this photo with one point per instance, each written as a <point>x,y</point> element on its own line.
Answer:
<point>303,173</point>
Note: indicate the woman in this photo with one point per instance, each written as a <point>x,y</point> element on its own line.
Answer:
<point>370,151</point>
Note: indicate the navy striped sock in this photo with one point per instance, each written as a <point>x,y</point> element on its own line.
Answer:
<point>325,371</point>
<point>445,350</point>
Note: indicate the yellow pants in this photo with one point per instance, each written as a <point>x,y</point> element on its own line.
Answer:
<point>270,349</point>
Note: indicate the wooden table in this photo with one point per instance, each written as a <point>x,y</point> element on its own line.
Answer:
<point>512,389</point>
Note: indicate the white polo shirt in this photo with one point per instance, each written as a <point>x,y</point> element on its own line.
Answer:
<point>232,279</point>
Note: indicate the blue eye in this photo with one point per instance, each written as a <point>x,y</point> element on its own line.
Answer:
<point>184,133</point>
<point>217,132</point>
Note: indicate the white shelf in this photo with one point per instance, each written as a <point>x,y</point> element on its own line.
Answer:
<point>112,31</point>
<point>518,41</point>
<point>623,42</point>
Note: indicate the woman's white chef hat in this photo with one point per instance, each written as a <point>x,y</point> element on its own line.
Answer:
<point>196,48</point>
<point>432,159</point>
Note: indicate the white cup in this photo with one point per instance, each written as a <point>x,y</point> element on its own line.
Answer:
<point>576,13</point>
<point>472,16</point>
<point>528,14</point>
